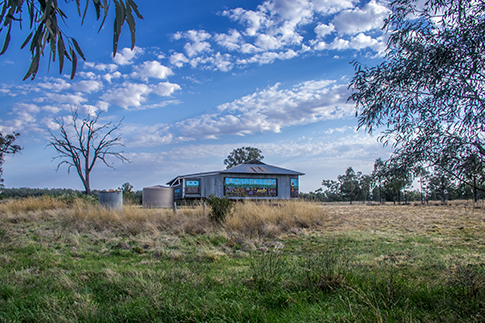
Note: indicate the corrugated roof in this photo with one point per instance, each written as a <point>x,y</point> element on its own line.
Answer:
<point>251,167</point>
<point>260,168</point>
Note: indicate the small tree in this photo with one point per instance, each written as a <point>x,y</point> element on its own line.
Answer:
<point>397,178</point>
<point>349,184</point>
<point>82,143</point>
<point>128,194</point>
<point>241,155</point>
<point>7,147</point>
<point>220,208</point>
<point>378,175</point>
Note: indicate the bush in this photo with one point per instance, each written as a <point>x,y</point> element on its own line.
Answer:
<point>220,208</point>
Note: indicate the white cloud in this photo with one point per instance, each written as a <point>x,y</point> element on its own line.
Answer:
<point>322,30</point>
<point>126,55</point>
<point>222,62</point>
<point>197,44</point>
<point>328,7</point>
<point>50,123</point>
<point>193,49</point>
<point>101,67</point>
<point>87,86</point>
<point>358,20</point>
<point>73,99</point>
<point>293,12</point>
<point>151,69</point>
<point>267,42</point>
<point>231,41</point>
<point>127,95</point>
<point>178,59</point>
<point>54,84</point>
<point>139,135</point>
<point>249,49</point>
<point>165,88</point>
<point>54,109</point>
<point>268,57</point>
<point>362,41</point>
<point>273,109</point>
<point>32,108</point>
<point>358,42</point>
<point>278,29</point>
<point>252,19</point>
<point>110,76</point>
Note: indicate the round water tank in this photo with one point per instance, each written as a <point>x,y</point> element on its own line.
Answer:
<point>111,200</point>
<point>158,196</point>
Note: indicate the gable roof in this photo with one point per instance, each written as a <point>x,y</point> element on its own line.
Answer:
<point>249,167</point>
<point>258,167</point>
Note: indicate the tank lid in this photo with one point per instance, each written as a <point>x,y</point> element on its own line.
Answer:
<point>157,187</point>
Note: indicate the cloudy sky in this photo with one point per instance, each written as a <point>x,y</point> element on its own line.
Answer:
<point>205,77</point>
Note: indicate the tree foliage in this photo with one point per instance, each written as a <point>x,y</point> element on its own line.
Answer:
<point>7,146</point>
<point>349,184</point>
<point>43,21</point>
<point>82,142</point>
<point>242,155</point>
<point>220,208</point>
<point>429,91</point>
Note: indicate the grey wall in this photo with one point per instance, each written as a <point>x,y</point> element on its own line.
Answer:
<point>214,184</point>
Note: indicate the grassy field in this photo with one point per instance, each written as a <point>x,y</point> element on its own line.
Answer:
<point>293,262</point>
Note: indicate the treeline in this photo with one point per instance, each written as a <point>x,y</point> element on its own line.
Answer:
<point>129,196</point>
<point>389,183</point>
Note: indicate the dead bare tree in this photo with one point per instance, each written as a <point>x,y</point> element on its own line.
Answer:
<point>82,142</point>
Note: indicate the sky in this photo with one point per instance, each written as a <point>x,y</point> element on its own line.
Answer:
<point>205,77</point>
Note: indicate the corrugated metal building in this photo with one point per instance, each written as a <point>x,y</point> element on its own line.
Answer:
<point>250,180</point>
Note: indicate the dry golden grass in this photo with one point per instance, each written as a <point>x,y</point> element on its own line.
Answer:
<point>30,204</point>
<point>252,219</point>
<point>273,219</point>
<point>415,218</point>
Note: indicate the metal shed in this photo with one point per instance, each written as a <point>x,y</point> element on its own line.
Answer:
<point>251,180</point>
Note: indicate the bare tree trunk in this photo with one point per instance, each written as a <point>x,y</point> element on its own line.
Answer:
<point>91,142</point>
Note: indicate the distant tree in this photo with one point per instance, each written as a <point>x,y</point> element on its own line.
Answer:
<point>81,143</point>
<point>349,184</point>
<point>241,155</point>
<point>43,17</point>
<point>332,193</point>
<point>440,185</point>
<point>128,194</point>
<point>7,147</point>
<point>428,92</point>
<point>366,183</point>
<point>472,168</point>
<point>397,178</point>
<point>378,176</point>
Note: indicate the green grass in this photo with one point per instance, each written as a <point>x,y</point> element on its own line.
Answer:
<point>50,272</point>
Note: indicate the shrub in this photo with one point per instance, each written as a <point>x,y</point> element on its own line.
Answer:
<point>220,208</point>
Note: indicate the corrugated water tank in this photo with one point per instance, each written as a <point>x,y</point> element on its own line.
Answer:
<point>111,200</point>
<point>157,196</point>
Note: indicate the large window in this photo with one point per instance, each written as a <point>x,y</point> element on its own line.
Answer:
<point>294,187</point>
<point>250,187</point>
<point>192,186</point>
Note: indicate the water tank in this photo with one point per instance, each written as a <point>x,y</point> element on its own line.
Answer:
<point>111,200</point>
<point>158,196</point>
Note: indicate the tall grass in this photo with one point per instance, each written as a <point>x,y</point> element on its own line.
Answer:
<point>285,262</point>
<point>271,220</point>
<point>31,204</point>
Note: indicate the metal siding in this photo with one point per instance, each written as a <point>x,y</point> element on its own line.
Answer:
<point>214,184</point>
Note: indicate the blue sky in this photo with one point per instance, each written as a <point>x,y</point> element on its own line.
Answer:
<point>206,77</point>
